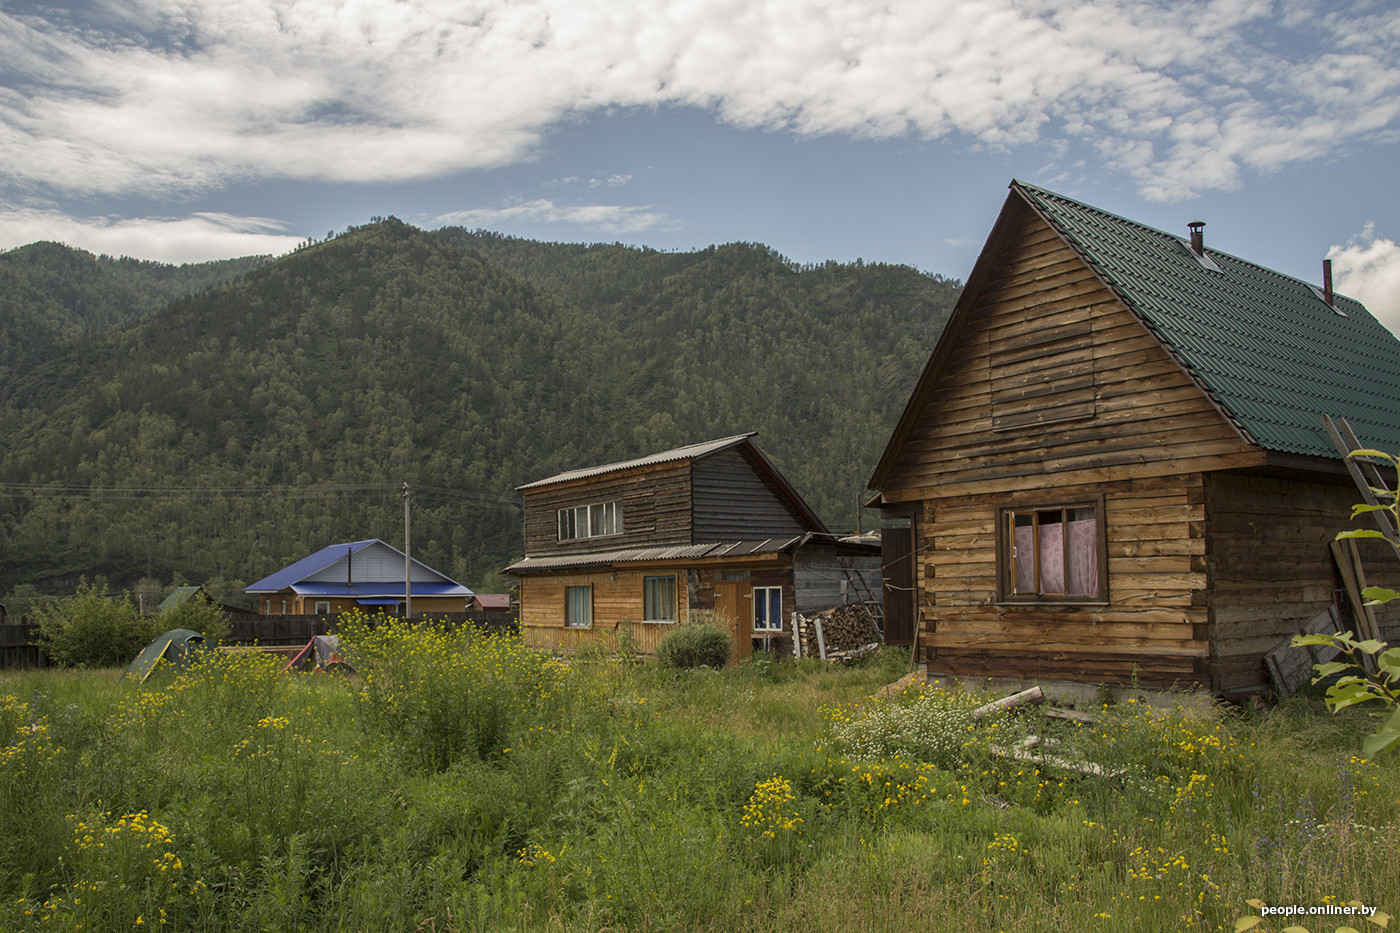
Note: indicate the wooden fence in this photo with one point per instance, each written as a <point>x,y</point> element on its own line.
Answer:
<point>18,646</point>
<point>19,643</point>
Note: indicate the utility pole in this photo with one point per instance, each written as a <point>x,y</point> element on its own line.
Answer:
<point>407,571</point>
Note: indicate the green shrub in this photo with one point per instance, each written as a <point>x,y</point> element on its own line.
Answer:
<point>695,645</point>
<point>452,694</point>
<point>93,629</point>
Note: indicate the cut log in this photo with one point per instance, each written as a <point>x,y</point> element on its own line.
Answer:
<point>1031,695</point>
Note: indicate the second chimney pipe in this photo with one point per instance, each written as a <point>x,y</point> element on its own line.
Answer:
<point>1327,281</point>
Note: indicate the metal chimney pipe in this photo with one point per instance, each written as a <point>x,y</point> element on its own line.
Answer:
<point>1198,237</point>
<point>1327,281</point>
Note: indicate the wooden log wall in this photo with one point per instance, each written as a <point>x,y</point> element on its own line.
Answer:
<point>1153,627</point>
<point>1271,567</point>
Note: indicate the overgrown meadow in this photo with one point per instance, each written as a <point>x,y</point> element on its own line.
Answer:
<point>464,782</point>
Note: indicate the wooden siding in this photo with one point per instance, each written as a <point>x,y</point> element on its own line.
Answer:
<point>306,605</point>
<point>655,510</point>
<point>826,578</point>
<point>617,601</point>
<point>1153,627</point>
<point>733,502</point>
<point>1271,567</point>
<point>617,596</point>
<point>569,640</point>
<point>1054,382</point>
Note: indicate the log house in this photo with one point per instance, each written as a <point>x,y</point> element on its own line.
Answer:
<point>1113,466</point>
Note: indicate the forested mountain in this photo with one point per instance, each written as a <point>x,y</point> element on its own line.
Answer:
<point>462,363</point>
<point>52,294</point>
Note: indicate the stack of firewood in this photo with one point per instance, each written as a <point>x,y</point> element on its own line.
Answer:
<point>843,629</point>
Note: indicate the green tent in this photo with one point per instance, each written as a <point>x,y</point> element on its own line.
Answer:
<point>174,646</point>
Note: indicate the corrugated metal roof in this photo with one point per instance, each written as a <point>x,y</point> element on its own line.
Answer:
<point>646,554</point>
<point>680,453</point>
<point>1272,353</point>
<point>306,566</point>
<point>493,600</point>
<point>178,597</point>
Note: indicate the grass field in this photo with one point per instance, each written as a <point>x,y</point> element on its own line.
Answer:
<point>466,783</point>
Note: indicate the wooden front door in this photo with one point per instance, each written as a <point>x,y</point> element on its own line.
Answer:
<point>734,598</point>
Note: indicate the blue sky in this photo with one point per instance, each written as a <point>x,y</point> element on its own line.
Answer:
<point>828,129</point>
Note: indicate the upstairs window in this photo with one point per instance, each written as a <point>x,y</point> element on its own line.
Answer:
<point>590,521</point>
<point>1054,554</point>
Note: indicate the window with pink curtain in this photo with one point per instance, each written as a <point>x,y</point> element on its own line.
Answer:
<point>1054,552</point>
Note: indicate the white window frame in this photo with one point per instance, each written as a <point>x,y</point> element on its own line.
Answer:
<point>323,607</point>
<point>771,596</point>
<point>590,521</point>
<point>570,620</point>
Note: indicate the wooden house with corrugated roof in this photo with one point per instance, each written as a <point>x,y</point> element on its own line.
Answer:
<point>644,542</point>
<point>1114,468</point>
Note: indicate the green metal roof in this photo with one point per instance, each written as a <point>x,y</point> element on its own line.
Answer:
<point>178,597</point>
<point>1270,351</point>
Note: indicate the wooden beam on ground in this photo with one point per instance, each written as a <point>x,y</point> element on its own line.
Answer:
<point>1031,695</point>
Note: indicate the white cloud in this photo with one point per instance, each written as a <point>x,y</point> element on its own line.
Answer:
<point>609,218</point>
<point>178,96</point>
<point>612,181</point>
<point>168,239</point>
<point>1367,268</point>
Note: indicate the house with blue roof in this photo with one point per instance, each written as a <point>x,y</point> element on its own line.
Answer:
<point>1114,467</point>
<point>367,575</point>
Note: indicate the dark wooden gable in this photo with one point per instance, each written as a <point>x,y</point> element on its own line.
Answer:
<point>1043,376</point>
<point>735,499</point>
<point>725,491</point>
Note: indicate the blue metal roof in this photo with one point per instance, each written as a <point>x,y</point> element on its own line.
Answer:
<point>293,576</point>
<point>306,567</point>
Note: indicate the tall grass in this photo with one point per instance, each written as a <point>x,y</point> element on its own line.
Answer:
<point>465,783</point>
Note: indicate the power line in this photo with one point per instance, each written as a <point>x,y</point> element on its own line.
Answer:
<point>177,493</point>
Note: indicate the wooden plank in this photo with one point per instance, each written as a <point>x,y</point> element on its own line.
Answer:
<point>1349,563</point>
<point>1290,668</point>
